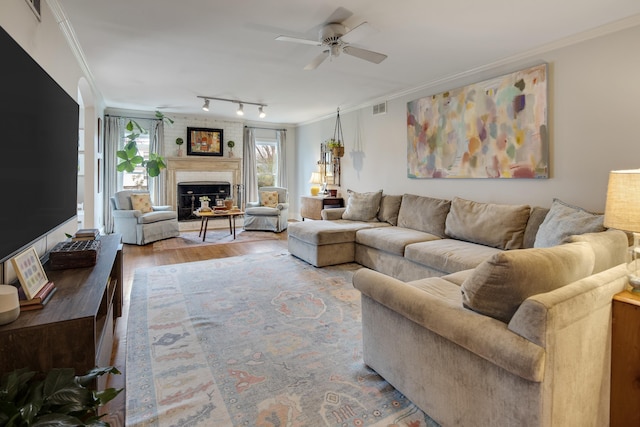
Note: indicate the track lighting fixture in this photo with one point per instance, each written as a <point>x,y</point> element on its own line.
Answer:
<point>240,110</point>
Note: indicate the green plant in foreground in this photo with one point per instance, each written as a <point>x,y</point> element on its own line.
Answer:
<point>60,399</point>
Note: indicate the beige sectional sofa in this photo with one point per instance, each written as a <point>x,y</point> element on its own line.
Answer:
<point>482,314</point>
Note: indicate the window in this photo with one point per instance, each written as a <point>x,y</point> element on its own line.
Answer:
<point>266,162</point>
<point>136,180</point>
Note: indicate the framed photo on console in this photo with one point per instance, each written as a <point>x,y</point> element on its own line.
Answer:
<point>204,142</point>
<point>30,272</point>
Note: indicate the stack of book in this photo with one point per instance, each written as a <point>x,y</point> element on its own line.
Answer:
<point>86,234</point>
<point>39,301</point>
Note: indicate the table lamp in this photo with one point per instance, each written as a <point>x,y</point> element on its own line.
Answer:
<point>622,211</point>
<point>316,180</point>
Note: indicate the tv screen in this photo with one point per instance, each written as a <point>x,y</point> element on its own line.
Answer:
<point>38,150</point>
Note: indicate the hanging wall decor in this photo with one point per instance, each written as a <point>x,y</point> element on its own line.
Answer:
<point>493,129</point>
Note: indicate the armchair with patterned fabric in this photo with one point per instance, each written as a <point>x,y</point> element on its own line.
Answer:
<point>138,221</point>
<point>270,212</point>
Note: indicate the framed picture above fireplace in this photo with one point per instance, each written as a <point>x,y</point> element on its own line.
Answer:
<point>204,142</point>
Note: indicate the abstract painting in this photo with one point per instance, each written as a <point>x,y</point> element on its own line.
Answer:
<point>493,129</point>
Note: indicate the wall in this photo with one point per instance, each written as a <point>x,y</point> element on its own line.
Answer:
<point>593,119</point>
<point>45,43</point>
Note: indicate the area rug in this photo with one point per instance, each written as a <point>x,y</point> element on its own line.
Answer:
<point>259,340</point>
<point>214,237</point>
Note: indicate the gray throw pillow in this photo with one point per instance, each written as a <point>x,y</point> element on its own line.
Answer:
<point>498,286</point>
<point>362,206</point>
<point>565,220</point>
<point>389,208</point>
<point>425,214</point>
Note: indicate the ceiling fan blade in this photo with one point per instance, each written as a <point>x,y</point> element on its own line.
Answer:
<point>358,33</point>
<point>338,16</point>
<point>317,61</point>
<point>365,54</point>
<point>298,40</point>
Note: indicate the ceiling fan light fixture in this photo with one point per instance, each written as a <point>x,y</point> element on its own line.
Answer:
<point>240,110</point>
<point>261,112</point>
<point>205,107</point>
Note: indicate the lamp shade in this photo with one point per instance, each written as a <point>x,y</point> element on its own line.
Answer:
<point>316,178</point>
<point>622,210</point>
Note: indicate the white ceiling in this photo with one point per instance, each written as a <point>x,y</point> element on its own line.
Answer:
<point>161,54</point>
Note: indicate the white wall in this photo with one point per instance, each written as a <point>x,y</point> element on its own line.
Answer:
<point>594,117</point>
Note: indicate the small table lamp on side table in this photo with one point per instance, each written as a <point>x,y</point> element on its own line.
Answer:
<point>316,180</point>
<point>622,211</point>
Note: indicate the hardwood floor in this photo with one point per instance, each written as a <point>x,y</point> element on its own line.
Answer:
<point>148,256</point>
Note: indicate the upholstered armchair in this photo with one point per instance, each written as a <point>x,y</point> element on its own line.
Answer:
<point>138,221</point>
<point>270,212</point>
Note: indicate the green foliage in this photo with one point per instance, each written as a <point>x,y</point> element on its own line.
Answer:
<point>179,141</point>
<point>332,143</point>
<point>231,144</point>
<point>61,399</point>
<point>130,156</point>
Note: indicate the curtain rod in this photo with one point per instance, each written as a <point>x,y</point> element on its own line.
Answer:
<point>131,117</point>
<point>254,127</point>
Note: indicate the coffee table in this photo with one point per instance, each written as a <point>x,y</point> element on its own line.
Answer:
<point>217,214</point>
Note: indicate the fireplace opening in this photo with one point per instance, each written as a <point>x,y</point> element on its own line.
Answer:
<point>189,194</point>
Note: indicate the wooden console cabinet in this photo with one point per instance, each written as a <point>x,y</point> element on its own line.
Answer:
<point>75,329</point>
<point>625,360</point>
<point>312,206</point>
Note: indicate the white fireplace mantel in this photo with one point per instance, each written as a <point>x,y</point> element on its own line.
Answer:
<point>194,168</point>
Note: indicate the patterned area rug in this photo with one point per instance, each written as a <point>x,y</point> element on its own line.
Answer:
<point>260,340</point>
<point>214,237</point>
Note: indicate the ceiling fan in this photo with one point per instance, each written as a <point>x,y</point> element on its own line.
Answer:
<point>335,39</point>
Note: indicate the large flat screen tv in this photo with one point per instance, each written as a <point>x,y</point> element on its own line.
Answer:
<point>38,151</point>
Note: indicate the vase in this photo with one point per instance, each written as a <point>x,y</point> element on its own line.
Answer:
<point>338,151</point>
<point>204,204</point>
<point>230,152</point>
<point>179,152</point>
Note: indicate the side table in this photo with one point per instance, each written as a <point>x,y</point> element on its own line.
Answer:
<point>625,360</point>
<point>312,206</point>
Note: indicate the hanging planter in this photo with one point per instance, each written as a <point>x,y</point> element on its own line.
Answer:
<point>335,143</point>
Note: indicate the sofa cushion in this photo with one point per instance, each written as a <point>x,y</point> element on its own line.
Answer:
<point>151,217</point>
<point>328,232</point>
<point>499,285</point>
<point>269,199</point>
<point>536,217</point>
<point>564,220</point>
<point>362,206</point>
<point>448,255</point>
<point>423,214</point>
<point>263,211</point>
<point>389,208</point>
<point>392,239</point>
<point>495,225</point>
<point>610,248</point>
<point>141,202</point>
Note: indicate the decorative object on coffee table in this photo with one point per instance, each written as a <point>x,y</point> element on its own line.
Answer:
<point>9,304</point>
<point>622,211</point>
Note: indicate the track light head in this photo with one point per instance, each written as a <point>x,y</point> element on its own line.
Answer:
<point>205,107</point>
<point>240,110</point>
<point>261,112</point>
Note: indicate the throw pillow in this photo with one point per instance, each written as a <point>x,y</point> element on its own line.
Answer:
<point>565,220</point>
<point>389,208</point>
<point>141,202</point>
<point>269,198</point>
<point>498,286</point>
<point>424,214</point>
<point>489,224</point>
<point>362,206</point>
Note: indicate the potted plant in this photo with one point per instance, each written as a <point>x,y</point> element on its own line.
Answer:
<point>179,142</point>
<point>130,155</point>
<point>204,201</point>
<point>231,144</point>
<point>60,399</point>
<point>336,147</point>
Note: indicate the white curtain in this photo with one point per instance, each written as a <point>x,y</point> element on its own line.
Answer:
<point>157,185</point>
<point>282,179</point>
<point>249,166</point>
<point>113,133</point>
